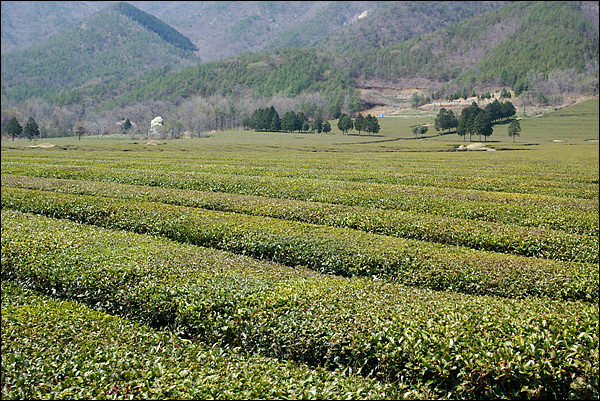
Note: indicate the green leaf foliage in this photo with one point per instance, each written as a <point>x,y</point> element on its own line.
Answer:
<point>325,249</point>
<point>427,344</point>
<point>505,238</point>
<point>94,355</point>
<point>544,202</point>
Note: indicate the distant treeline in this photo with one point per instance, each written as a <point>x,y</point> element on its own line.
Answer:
<point>267,119</point>
<point>473,119</point>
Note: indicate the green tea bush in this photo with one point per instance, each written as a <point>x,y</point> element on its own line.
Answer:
<point>325,249</point>
<point>513,239</point>
<point>566,172</point>
<point>577,216</point>
<point>54,349</point>
<point>437,344</point>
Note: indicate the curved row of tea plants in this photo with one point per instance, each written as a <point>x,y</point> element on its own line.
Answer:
<point>575,216</point>
<point>95,356</point>
<point>442,343</point>
<point>325,249</point>
<point>347,178</point>
<point>572,172</point>
<point>488,236</point>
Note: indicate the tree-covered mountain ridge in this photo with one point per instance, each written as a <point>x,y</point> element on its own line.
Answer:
<point>540,50</point>
<point>496,48</point>
<point>518,46</point>
<point>166,32</point>
<point>113,44</point>
<point>221,29</point>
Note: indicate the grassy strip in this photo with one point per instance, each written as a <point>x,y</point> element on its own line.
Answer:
<point>61,349</point>
<point>443,344</point>
<point>550,244</point>
<point>325,249</point>
<point>570,215</point>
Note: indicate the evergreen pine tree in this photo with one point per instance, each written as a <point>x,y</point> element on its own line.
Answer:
<point>31,129</point>
<point>482,125</point>
<point>372,125</point>
<point>465,122</point>
<point>14,128</point>
<point>317,125</point>
<point>345,123</point>
<point>359,123</point>
<point>275,121</point>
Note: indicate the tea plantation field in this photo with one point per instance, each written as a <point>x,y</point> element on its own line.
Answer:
<point>291,266</point>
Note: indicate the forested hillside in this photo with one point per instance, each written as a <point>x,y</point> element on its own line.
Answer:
<point>288,72</point>
<point>123,61</point>
<point>107,47</point>
<point>155,25</point>
<point>397,21</point>
<point>498,48</point>
<point>566,38</point>
<point>222,29</point>
<point>29,23</point>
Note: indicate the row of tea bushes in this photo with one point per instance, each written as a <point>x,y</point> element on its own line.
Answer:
<point>325,249</point>
<point>527,173</point>
<point>517,240</point>
<point>441,344</point>
<point>182,175</point>
<point>54,349</point>
<point>578,216</point>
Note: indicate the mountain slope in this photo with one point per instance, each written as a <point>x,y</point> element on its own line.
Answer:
<point>496,48</point>
<point>106,47</point>
<point>221,29</point>
<point>109,63</point>
<point>286,72</point>
<point>552,36</point>
<point>29,23</point>
<point>394,22</point>
<point>155,25</point>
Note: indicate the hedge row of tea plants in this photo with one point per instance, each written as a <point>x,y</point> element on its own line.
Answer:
<point>430,171</point>
<point>572,173</point>
<point>325,249</point>
<point>350,177</point>
<point>517,240</point>
<point>53,349</point>
<point>575,216</point>
<point>442,344</point>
